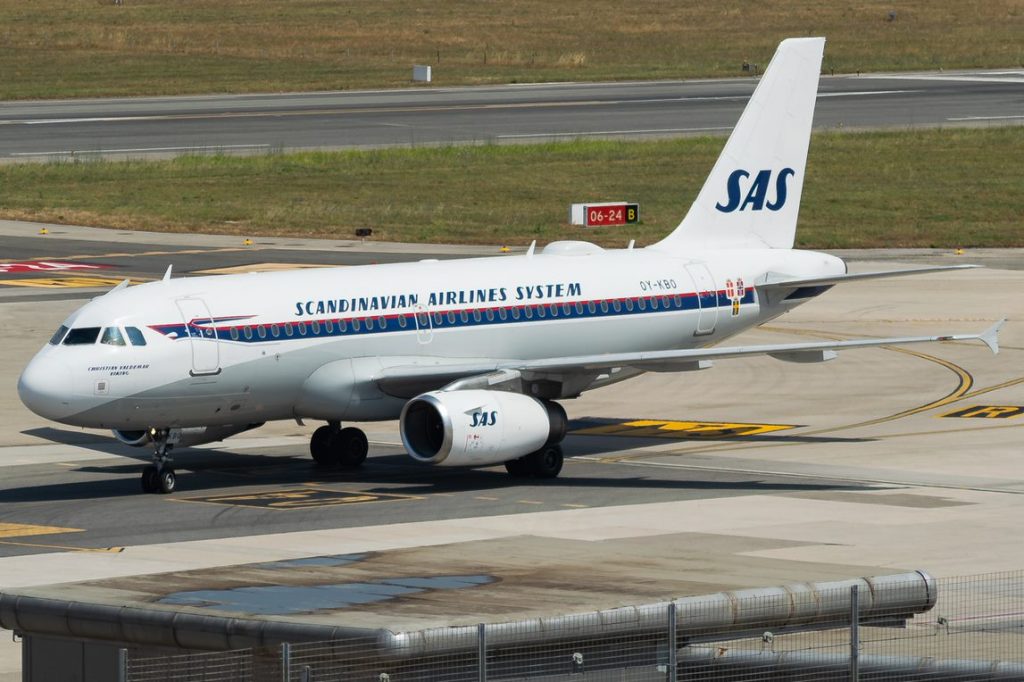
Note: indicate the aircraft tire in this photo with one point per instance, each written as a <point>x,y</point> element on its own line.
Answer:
<point>546,462</point>
<point>351,447</point>
<point>166,481</point>
<point>519,468</point>
<point>149,482</point>
<point>322,445</point>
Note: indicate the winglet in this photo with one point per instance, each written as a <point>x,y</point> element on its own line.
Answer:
<point>990,337</point>
<point>167,275</point>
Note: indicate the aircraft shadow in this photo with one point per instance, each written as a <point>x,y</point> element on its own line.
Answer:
<point>220,471</point>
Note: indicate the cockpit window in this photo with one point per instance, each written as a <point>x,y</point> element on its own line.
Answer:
<point>112,336</point>
<point>58,336</point>
<point>82,336</point>
<point>135,336</point>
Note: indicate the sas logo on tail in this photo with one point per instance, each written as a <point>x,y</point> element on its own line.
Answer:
<point>757,194</point>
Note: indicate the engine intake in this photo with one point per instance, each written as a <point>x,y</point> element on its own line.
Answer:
<point>478,428</point>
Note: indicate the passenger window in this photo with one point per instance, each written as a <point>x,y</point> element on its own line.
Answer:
<point>262,331</point>
<point>401,321</point>
<point>542,310</point>
<point>490,314</point>
<point>288,330</point>
<point>451,317</point>
<point>579,308</point>
<point>382,322</point>
<point>112,337</point>
<point>315,326</point>
<point>591,307</point>
<point>641,304</point>
<point>58,336</point>
<point>464,316</point>
<point>275,331</point>
<point>604,306</point>
<point>528,312</point>
<point>502,313</point>
<point>629,304</point>
<point>679,301</point>
<point>515,313</point>
<point>248,333</point>
<point>355,325</point>
<point>616,306</point>
<point>329,326</point>
<point>567,308</point>
<point>233,332</point>
<point>438,319</point>
<point>369,324</point>
<point>82,336</point>
<point>476,316</point>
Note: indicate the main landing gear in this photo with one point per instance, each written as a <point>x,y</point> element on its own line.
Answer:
<point>332,446</point>
<point>544,463</point>
<point>158,477</point>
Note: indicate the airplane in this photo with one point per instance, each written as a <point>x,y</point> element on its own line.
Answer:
<point>472,356</point>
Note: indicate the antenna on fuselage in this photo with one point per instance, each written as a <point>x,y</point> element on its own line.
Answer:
<point>167,275</point>
<point>533,245</point>
<point>123,285</point>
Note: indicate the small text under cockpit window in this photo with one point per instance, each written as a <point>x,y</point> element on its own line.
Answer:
<point>112,337</point>
<point>82,336</point>
<point>58,336</point>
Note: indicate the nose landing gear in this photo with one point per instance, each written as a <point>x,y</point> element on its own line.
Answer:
<point>332,445</point>
<point>159,477</point>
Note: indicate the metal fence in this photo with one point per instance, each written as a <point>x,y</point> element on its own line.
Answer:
<point>890,628</point>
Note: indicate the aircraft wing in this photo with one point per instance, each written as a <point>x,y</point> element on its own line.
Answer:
<point>405,379</point>
<point>783,282</point>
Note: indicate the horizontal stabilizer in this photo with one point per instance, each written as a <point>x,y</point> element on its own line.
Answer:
<point>783,282</point>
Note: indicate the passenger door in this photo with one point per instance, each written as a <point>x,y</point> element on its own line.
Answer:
<point>707,298</point>
<point>202,336</point>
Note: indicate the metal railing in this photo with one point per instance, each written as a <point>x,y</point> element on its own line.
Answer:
<point>908,627</point>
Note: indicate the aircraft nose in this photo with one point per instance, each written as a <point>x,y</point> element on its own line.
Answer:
<point>45,388</point>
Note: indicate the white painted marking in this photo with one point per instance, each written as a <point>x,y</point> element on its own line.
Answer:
<point>614,132</point>
<point>984,118</point>
<point>72,152</point>
<point>862,93</point>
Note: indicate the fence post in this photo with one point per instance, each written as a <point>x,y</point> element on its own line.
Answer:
<point>122,665</point>
<point>286,662</point>
<point>481,651</point>
<point>673,660</point>
<point>854,634</point>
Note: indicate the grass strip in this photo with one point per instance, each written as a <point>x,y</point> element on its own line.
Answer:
<point>76,48</point>
<point>929,188</point>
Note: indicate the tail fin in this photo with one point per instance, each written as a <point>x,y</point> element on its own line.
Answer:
<point>752,197</point>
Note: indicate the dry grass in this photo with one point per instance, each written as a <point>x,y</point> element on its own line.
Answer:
<point>57,48</point>
<point>937,188</point>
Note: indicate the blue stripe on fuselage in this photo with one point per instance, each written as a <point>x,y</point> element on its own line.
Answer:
<point>449,319</point>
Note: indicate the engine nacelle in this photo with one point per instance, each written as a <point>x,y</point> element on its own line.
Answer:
<point>185,437</point>
<point>478,428</point>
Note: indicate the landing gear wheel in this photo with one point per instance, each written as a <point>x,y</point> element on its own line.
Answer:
<point>149,482</point>
<point>166,480</point>
<point>322,446</point>
<point>351,446</point>
<point>519,468</point>
<point>546,462</point>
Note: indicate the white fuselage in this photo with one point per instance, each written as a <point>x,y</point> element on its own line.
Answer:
<point>271,331</point>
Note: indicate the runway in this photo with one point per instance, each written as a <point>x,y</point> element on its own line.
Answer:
<point>141,127</point>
